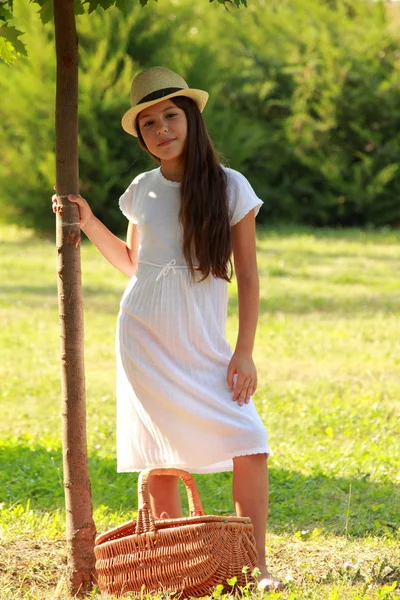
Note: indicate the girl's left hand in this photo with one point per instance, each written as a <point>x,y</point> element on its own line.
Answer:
<point>242,366</point>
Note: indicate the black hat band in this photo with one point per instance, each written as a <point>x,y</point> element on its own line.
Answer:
<point>159,94</point>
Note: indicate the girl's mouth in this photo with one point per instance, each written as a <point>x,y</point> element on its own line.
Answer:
<point>166,142</point>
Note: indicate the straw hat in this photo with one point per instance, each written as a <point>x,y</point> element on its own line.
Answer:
<point>152,86</point>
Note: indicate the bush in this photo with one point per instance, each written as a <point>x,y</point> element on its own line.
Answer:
<point>321,81</point>
<point>107,162</point>
<point>109,158</point>
<point>304,100</point>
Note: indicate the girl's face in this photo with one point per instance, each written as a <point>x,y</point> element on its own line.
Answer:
<point>164,129</point>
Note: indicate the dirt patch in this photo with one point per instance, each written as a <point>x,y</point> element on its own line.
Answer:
<point>26,565</point>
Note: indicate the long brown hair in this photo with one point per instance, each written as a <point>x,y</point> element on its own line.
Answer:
<point>203,214</point>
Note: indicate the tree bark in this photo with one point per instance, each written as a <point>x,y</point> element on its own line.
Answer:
<point>80,529</point>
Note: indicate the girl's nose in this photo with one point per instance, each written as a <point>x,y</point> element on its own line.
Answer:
<point>162,127</point>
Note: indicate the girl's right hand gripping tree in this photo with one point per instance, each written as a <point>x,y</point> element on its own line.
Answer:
<point>122,255</point>
<point>85,212</point>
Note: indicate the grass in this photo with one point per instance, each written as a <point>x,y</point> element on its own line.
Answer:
<point>329,359</point>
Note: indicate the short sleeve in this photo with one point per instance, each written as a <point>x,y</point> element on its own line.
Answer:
<point>127,203</point>
<point>241,197</point>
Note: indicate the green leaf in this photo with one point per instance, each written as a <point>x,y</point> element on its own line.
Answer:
<point>79,10</point>
<point>5,14</point>
<point>217,593</point>
<point>329,432</point>
<point>386,174</point>
<point>232,581</point>
<point>11,34</point>
<point>41,3</point>
<point>123,5</point>
<point>237,3</point>
<point>316,533</point>
<point>93,4</point>
<point>7,52</point>
<point>46,12</point>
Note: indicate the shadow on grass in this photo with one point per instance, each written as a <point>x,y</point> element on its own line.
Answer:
<point>367,301</point>
<point>290,303</point>
<point>346,307</point>
<point>95,298</point>
<point>383,235</point>
<point>51,290</point>
<point>354,506</point>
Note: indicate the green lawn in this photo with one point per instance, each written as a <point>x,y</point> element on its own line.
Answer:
<point>328,354</point>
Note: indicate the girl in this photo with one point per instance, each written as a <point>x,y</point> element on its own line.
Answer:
<point>183,398</point>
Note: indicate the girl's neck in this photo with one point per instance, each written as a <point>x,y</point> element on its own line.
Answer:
<point>172,170</point>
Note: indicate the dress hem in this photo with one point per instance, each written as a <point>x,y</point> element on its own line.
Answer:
<point>218,467</point>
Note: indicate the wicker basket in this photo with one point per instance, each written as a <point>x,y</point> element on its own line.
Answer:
<point>188,555</point>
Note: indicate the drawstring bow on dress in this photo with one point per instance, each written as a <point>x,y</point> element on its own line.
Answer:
<point>166,269</point>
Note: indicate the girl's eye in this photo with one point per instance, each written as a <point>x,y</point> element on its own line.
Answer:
<point>148,123</point>
<point>171,115</point>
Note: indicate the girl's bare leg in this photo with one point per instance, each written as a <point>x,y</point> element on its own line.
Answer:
<point>250,495</point>
<point>164,496</point>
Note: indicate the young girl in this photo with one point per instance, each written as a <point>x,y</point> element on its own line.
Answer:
<point>183,398</point>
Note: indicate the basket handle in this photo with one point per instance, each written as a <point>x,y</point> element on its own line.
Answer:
<point>145,518</point>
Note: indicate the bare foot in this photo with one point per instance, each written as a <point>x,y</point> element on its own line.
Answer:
<point>267,582</point>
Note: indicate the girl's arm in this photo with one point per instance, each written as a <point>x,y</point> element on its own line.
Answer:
<point>245,260</point>
<point>122,255</point>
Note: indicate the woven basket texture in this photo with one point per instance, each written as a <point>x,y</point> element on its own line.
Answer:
<point>189,556</point>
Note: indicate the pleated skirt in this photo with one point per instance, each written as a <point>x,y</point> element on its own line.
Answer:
<point>174,408</point>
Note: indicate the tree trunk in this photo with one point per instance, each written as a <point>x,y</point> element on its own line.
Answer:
<point>80,529</point>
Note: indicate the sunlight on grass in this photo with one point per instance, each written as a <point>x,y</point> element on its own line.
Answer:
<point>328,357</point>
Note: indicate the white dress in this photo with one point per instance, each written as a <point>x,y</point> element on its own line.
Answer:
<point>174,408</point>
